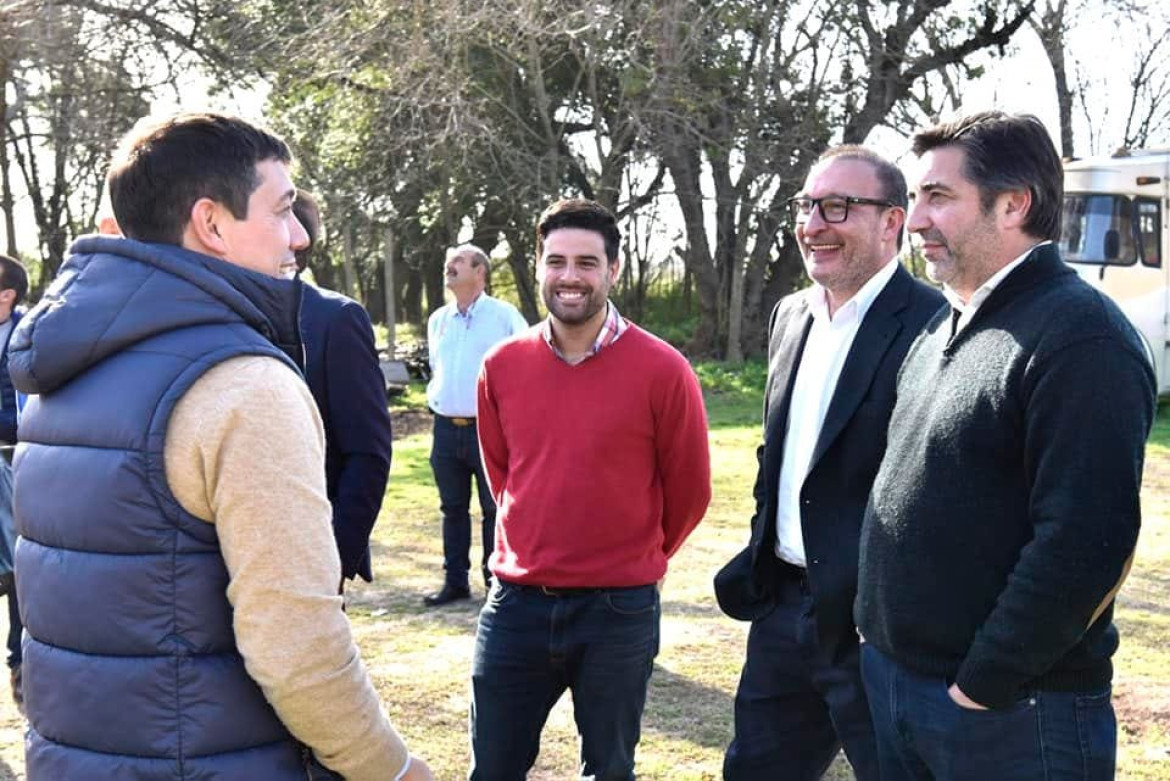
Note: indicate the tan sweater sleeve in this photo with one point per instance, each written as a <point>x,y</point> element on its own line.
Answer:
<point>245,451</point>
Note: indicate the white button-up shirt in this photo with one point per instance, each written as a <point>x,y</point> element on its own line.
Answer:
<point>828,344</point>
<point>458,341</point>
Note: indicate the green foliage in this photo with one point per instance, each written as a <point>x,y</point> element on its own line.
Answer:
<point>413,400</point>
<point>734,394</point>
<point>668,319</point>
<point>1160,436</point>
<point>666,311</point>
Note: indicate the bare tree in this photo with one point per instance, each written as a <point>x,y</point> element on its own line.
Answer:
<point>752,92</point>
<point>1148,118</point>
<point>81,72</point>
<point>1050,23</point>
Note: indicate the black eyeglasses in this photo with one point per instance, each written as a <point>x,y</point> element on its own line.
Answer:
<point>834,208</point>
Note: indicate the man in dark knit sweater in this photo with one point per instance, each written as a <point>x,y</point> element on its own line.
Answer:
<point>1004,516</point>
<point>594,439</point>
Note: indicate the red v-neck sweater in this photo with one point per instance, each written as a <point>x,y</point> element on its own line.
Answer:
<point>599,470</point>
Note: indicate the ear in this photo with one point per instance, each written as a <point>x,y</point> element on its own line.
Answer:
<point>203,232</point>
<point>1014,206</point>
<point>615,269</point>
<point>892,223</point>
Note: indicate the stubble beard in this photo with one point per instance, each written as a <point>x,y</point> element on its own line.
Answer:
<point>592,306</point>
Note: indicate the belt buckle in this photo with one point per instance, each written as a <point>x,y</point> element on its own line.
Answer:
<point>461,422</point>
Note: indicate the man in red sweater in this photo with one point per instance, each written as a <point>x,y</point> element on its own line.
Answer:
<point>594,439</point>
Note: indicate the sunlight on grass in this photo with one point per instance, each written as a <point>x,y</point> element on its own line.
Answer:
<point>420,659</point>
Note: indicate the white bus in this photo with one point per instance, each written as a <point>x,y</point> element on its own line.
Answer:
<point>1115,234</point>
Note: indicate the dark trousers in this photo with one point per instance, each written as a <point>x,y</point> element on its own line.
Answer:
<point>531,646</point>
<point>796,705</point>
<point>15,630</point>
<point>923,735</point>
<point>455,461</point>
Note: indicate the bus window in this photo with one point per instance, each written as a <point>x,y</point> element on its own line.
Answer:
<point>1149,231</point>
<point>1098,229</point>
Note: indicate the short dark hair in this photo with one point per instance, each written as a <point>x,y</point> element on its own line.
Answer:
<point>1005,152</point>
<point>580,213</point>
<point>308,214</point>
<point>164,166</point>
<point>13,277</point>
<point>890,177</point>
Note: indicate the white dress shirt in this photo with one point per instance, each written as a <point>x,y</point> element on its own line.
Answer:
<point>458,341</point>
<point>828,344</point>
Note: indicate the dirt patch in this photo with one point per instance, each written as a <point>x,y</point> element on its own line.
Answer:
<point>410,422</point>
<point>1142,706</point>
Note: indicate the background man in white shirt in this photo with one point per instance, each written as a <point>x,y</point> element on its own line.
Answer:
<point>459,335</point>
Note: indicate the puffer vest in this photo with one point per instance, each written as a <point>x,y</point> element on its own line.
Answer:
<point>131,669</point>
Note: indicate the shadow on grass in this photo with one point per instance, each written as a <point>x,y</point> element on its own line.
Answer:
<point>687,710</point>
<point>404,601</point>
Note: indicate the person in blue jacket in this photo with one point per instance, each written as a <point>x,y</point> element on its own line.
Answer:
<point>13,288</point>
<point>341,367</point>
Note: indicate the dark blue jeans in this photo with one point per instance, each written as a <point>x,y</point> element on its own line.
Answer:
<point>797,705</point>
<point>532,646</point>
<point>455,461</point>
<point>924,736</point>
<point>15,630</point>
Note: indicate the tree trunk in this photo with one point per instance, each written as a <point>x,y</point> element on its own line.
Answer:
<point>1049,29</point>
<point>683,164</point>
<point>5,181</point>
<point>734,355</point>
<point>518,261</point>
<point>412,295</point>
<point>388,286</point>
<point>347,263</point>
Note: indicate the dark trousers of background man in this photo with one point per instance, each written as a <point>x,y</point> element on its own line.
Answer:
<point>455,461</point>
<point>15,627</point>
<point>797,705</point>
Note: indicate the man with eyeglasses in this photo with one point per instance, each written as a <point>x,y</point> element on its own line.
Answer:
<point>834,353</point>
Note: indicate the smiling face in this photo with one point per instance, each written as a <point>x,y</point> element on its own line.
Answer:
<point>842,256</point>
<point>575,277</point>
<point>269,236</point>
<point>960,240</point>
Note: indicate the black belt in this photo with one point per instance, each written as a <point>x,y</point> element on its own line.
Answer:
<point>554,591</point>
<point>461,422</point>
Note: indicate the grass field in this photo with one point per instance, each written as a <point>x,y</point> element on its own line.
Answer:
<point>420,658</point>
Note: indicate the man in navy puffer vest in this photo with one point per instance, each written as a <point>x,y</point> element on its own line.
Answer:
<point>178,573</point>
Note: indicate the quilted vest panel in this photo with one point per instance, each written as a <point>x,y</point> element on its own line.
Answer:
<point>130,664</point>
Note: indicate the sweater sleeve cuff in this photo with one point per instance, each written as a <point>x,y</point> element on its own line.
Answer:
<point>388,751</point>
<point>987,685</point>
